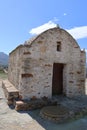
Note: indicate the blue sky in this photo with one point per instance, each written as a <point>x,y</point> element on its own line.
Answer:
<point>21,19</point>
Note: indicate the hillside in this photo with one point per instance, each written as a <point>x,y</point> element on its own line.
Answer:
<point>3,58</point>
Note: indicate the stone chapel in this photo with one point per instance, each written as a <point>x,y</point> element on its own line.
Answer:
<point>51,63</point>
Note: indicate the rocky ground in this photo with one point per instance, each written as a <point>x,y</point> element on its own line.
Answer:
<point>31,120</point>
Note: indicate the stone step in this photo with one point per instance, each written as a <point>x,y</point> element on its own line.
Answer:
<point>32,104</point>
<point>56,114</point>
<point>20,105</point>
<point>10,91</point>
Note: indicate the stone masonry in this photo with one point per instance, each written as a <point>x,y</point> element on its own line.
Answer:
<point>34,66</point>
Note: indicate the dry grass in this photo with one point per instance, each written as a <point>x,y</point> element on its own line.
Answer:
<point>3,75</point>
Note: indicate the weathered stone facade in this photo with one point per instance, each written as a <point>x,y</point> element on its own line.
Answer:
<point>51,60</point>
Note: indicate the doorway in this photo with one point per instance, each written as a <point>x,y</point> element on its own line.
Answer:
<point>57,81</point>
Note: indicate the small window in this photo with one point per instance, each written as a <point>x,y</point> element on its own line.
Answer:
<point>58,46</point>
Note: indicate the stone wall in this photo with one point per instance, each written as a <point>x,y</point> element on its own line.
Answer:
<point>31,66</point>
<point>15,65</point>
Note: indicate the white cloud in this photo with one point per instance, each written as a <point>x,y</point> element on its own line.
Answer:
<point>65,14</point>
<point>42,28</point>
<point>78,32</point>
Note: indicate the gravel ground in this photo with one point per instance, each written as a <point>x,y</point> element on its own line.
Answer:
<point>30,120</point>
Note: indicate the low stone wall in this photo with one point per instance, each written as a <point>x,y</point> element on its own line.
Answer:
<point>33,104</point>
<point>10,92</point>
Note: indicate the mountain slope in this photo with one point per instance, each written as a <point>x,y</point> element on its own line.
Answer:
<point>3,58</point>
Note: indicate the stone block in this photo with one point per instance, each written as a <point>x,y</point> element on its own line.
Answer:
<point>10,91</point>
